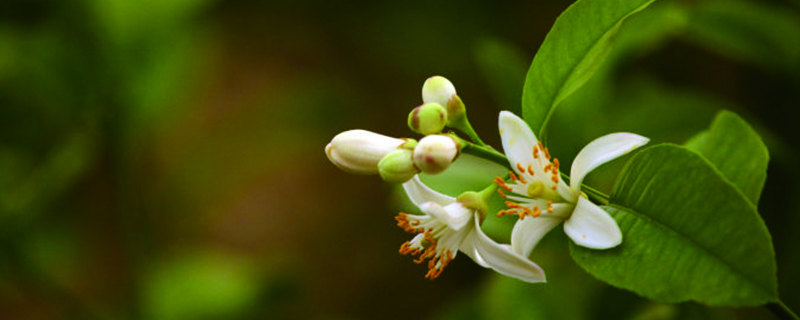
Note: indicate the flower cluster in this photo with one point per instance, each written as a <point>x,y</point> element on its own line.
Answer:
<point>535,190</point>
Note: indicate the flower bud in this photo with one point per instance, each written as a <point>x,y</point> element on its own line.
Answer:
<point>397,166</point>
<point>435,153</point>
<point>437,89</point>
<point>359,151</point>
<point>428,118</point>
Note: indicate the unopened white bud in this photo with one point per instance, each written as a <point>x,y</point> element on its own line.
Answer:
<point>397,166</point>
<point>437,89</point>
<point>435,153</point>
<point>359,151</point>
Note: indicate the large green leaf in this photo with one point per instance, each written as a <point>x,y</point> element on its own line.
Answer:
<point>737,151</point>
<point>573,50</point>
<point>688,234</point>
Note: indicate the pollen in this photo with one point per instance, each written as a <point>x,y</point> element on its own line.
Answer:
<point>530,169</point>
<point>501,193</point>
<point>536,152</point>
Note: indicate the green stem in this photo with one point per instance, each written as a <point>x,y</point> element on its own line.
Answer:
<point>467,129</point>
<point>781,311</point>
<point>488,192</point>
<point>484,152</point>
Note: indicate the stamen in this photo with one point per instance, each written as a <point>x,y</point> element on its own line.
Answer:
<point>546,153</point>
<point>402,222</point>
<point>501,193</point>
<point>548,167</point>
<point>536,152</point>
<point>513,176</point>
<point>530,169</point>
<point>520,167</point>
<point>502,184</point>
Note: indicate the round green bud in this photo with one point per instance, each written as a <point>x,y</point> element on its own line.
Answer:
<point>437,89</point>
<point>435,153</point>
<point>428,118</point>
<point>397,166</point>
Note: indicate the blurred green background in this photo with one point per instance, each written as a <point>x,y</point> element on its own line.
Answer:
<point>163,159</point>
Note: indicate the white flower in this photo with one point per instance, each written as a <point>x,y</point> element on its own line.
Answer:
<point>448,226</point>
<point>359,151</point>
<point>536,191</point>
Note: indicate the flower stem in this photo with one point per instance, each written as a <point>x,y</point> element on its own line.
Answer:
<point>781,311</point>
<point>484,152</point>
<point>466,128</point>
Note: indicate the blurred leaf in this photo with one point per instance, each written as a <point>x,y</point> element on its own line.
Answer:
<point>124,20</point>
<point>573,50</point>
<point>503,67</point>
<point>747,30</point>
<point>200,285</point>
<point>30,188</point>
<point>648,30</point>
<point>737,151</point>
<point>689,234</point>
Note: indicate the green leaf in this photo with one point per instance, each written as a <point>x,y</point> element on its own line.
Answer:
<point>688,234</point>
<point>573,50</point>
<point>737,151</point>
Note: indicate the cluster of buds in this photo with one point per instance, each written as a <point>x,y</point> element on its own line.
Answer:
<point>398,160</point>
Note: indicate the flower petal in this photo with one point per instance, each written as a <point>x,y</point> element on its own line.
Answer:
<point>528,231</point>
<point>468,248</point>
<point>419,193</point>
<point>518,139</point>
<point>505,261</point>
<point>455,215</point>
<point>600,151</point>
<point>592,227</point>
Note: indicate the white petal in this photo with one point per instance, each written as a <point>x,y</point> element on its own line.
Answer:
<point>518,139</point>
<point>592,227</point>
<point>527,232</point>
<point>455,215</point>
<point>505,261</point>
<point>468,248</point>
<point>419,193</point>
<point>600,151</point>
<point>359,151</point>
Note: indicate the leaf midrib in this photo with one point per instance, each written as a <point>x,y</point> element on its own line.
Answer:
<point>696,244</point>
